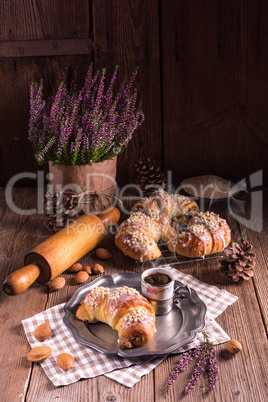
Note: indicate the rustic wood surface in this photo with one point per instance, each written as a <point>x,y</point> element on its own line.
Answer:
<point>242,377</point>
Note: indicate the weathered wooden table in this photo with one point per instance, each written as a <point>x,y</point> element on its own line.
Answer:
<point>242,377</point>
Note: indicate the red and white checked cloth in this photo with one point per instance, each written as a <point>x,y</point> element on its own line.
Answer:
<point>90,363</point>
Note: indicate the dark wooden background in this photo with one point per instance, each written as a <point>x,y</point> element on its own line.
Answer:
<point>203,78</point>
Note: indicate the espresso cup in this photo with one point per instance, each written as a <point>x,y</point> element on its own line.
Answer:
<point>157,284</point>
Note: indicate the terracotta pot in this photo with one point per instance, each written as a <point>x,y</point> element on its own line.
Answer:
<point>95,184</point>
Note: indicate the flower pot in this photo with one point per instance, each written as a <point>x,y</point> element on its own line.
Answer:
<point>93,185</point>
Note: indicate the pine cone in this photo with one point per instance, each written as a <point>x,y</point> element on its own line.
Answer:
<point>59,209</point>
<point>238,261</point>
<point>149,177</point>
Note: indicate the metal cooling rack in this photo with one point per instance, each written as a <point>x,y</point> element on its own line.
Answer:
<point>172,258</point>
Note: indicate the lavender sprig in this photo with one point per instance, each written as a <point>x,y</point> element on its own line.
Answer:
<point>183,364</point>
<point>87,126</point>
<point>198,370</point>
<point>212,369</point>
<point>207,360</point>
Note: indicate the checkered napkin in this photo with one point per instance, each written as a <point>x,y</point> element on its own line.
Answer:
<point>90,363</point>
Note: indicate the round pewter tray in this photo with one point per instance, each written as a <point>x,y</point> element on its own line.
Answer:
<point>173,330</point>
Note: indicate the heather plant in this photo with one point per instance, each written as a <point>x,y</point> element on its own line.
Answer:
<point>206,360</point>
<point>78,127</point>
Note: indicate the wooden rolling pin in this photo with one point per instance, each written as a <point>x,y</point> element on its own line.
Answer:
<point>56,254</point>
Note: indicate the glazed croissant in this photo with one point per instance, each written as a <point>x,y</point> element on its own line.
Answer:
<point>206,234</point>
<point>124,309</point>
<point>151,220</point>
<point>172,205</point>
<point>138,235</point>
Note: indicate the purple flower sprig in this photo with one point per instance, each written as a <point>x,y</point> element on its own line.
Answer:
<point>75,127</point>
<point>183,364</point>
<point>206,360</point>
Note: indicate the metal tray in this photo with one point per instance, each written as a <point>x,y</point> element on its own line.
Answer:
<point>173,330</point>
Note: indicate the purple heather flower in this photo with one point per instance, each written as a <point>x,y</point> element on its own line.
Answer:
<point>212,369</point>
<point>40,155</point>
<point>90,125</point>
<point>183,364</point>
<point>198,370</point>
<point>206,356</point>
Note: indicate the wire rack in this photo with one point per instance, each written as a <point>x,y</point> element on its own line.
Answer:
<point>171,258</point>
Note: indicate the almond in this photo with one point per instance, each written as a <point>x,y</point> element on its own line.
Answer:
<point>103,254</point>
<point>75,267</point>
<point>97,269</point>
<point>42,332</point>
<point>56,283</point>
<point>65,361</point>
<point>233,346</point>
<point>87,269</point>
<point>81,277</point>
<point>39,353</point>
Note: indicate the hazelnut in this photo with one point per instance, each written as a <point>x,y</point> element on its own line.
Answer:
<point>65,361</point>
<point>97,269</point>
<point>42,332</point>
<point>75,267</point>
<point>233,346</point>
<point>81,277</point>
<point>87,269</point>
<point>103,254</point>
<point>56,283</point>
<point>39,354</point>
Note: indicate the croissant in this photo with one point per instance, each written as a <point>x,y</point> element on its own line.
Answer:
<point>138,235</point>
<point>124,309</point>
<point>173,205</point>
<point>206,233</point>
<point>151,220</point>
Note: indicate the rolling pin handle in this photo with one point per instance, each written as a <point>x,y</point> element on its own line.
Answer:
<point>20,280</point>
<point>110,216</point>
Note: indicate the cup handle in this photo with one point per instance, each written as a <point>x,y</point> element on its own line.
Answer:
<point>180,292</point>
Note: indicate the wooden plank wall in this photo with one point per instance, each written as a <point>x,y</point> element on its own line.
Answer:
<point>30,20</point>
<point>202,79</point>
<point>215,86</point>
